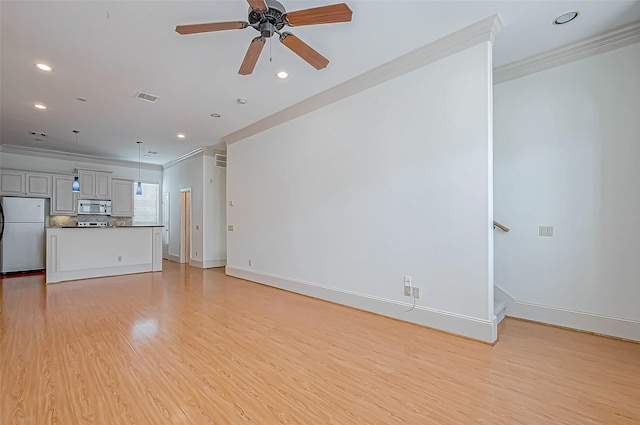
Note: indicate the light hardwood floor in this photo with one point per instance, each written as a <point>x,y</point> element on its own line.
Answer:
<point>190,346</point>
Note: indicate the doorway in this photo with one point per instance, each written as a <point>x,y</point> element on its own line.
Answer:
<point>185,225</point>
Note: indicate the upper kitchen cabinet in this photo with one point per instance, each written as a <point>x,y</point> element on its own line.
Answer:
<point>24,183</point>
<point>122,201</point>
<point>64,200</point>
<point>94,184</point>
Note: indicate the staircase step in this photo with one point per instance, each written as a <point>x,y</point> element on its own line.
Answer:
<point>499,309</point>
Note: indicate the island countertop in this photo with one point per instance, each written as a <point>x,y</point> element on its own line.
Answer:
<point>106,227</point>
<point>101,251</point>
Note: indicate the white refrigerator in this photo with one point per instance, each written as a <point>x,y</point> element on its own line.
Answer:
<point>22,234</point>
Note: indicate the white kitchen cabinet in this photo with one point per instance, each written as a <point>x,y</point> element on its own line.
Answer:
<point>121,198</point>
<point>25,183</point>
<point>94,184</point>
<point>64,201</point>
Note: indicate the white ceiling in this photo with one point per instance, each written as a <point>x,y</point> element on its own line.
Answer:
<point>107,51</point>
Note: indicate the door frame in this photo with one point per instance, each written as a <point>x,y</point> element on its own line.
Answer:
<point>186,236</point>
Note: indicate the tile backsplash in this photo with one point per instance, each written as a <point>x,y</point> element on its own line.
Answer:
<point>65,220</point>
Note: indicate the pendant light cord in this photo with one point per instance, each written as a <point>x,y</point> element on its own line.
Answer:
<point>76,132</point>
<point>139,185</point>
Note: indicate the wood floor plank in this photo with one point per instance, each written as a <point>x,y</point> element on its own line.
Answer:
<point>191,346</point>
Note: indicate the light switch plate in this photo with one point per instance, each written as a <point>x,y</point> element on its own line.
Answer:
<point>545,231</point>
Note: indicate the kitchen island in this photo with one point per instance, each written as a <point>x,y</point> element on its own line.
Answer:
<point>79,253</point>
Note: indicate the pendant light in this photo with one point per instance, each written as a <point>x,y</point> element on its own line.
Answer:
<point>75,187</point>
<point>139,187</point>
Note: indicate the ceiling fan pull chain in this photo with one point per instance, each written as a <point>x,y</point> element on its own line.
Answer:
<point>270,58</point>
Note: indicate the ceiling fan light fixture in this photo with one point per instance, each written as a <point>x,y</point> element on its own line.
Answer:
<point>566,18</point>
<point>269,17</point>
<point>282,75</point>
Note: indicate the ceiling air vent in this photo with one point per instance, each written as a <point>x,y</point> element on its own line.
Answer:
<point>148,97</point>
<point>221,160</point>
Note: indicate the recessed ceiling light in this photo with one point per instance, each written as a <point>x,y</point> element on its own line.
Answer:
<point>81,99</point>
<point>215,115</point>
<point>38,139</point>
<point>40,106</point>
<point>180,136</point>
<point>565,18</point>
<point>242,101</point>
<point>282,75</point>
<point>44,67</point>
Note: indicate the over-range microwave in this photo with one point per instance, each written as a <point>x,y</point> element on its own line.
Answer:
<point>94,207</point>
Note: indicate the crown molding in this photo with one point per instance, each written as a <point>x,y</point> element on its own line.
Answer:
<point>173,162</point>
<point>68,156</point>
<point>482,31</point>
<point>213,151</point>
<point>614,39</point>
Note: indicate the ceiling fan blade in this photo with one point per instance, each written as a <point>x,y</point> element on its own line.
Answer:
<point>252,55</point>
<point>303,50</point>
<point>213,26</point>
<point>320,15</point>
<point>257,4</point>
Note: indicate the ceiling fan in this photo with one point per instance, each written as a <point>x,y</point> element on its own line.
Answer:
<point>269,17</point>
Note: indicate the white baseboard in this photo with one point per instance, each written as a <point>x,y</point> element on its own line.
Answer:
<point>483,330</point>
<point>220,262</point>
<point>589,322</point>
<point>171,257</point>
<point>612,326</point>
<point>61,276</point>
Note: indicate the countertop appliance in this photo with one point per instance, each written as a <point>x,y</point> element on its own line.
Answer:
<point>94,207</point>
<point>92,224</point>
<point>22,232</point>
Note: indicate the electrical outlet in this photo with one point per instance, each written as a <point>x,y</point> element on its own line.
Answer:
<point>416,292</point>
<point>230,227</point>
<point>407,286</point>
<point>119,258</point>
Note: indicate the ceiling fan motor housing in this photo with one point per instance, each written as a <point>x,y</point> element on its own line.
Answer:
<point>268,21</point>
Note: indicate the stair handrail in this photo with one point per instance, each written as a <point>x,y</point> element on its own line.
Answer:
<point>500,226</point>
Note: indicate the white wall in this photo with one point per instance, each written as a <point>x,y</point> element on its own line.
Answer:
<point>566,154</point>
<point>396,180</point>
<point>208,219</point>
